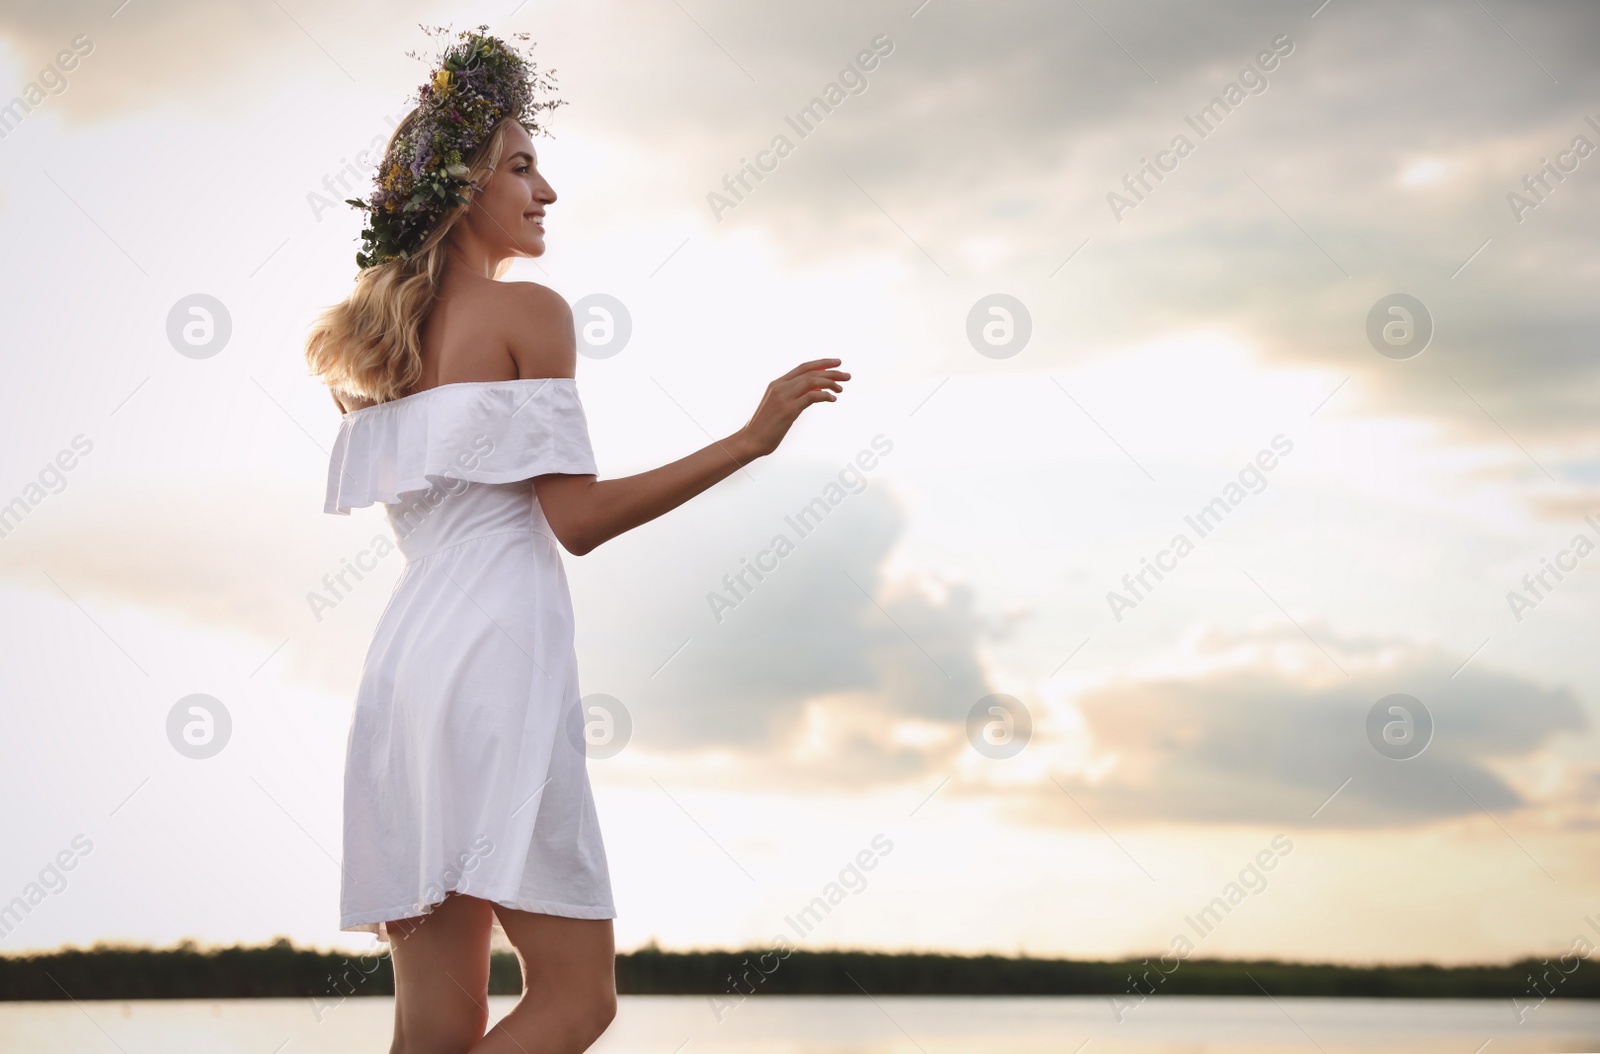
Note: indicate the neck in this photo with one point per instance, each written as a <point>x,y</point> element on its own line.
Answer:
<point>466,254</point>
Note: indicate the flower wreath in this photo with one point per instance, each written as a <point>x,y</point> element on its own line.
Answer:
<point>480,79</point>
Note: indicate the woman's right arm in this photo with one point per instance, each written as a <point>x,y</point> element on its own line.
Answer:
<point>584,511</point>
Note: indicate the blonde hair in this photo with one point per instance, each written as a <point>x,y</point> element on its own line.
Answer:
<point>370,344</point>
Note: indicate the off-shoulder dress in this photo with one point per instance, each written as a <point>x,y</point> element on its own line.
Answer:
<point>465,768</point>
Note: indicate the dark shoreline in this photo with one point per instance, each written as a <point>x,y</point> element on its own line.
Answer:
<point>280,970</point>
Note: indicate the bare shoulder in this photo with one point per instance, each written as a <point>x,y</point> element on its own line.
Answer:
<point>537,327</point>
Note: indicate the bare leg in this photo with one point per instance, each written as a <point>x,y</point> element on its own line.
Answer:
<point>569,985</point>
<point>441,977</point>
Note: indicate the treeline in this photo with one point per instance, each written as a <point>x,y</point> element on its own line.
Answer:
<point>280,970</point>
<point>653,972</point>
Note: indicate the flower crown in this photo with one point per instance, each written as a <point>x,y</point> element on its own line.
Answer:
<point>480,79</point>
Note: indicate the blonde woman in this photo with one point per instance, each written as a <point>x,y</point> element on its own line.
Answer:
<point>466,797</point>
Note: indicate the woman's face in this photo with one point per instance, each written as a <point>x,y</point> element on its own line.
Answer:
<point>509,212</point>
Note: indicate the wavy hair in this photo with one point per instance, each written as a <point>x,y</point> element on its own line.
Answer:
<point>370,344</point>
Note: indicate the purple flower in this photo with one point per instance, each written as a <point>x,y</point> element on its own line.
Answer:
<point>419,164</point>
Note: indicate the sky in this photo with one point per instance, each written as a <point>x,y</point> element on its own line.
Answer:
<point>1095,268</point>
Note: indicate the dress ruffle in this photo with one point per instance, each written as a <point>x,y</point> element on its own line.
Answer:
<point>478,431</point>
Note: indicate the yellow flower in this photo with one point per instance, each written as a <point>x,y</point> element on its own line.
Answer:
<point>441,80</point>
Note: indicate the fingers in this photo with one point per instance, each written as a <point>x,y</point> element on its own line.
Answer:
<point>788,396</point>
<point>812,380</point>
<point>807,367</point>
<point>798,392</point>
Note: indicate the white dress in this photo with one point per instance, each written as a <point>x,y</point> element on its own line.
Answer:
<point>465,768</point>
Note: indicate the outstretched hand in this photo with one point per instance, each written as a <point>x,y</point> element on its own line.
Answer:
<point>785,398</point>
<point>585,512</point>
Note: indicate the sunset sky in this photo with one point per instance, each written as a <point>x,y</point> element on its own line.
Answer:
<point>1188,308</point>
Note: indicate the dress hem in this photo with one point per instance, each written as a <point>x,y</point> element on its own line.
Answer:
<point>370,921</point>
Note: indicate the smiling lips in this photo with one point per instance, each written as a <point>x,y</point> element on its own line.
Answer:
<point>538,219</point>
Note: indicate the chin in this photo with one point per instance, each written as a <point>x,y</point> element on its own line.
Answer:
<point>527,248</point>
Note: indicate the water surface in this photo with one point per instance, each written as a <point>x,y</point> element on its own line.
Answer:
<point>843,1025</point>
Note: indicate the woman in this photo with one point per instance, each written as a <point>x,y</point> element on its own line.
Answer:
<point>466,795</point>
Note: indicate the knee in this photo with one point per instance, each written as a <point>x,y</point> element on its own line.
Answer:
<point>599,1011</point>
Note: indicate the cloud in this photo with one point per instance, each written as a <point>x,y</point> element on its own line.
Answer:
<point>208,58</point>
<point>827,643</point>
<point>1012,123</point>
<point>825,628</point>
<point>1251,737</point>
<point>248,570</point>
